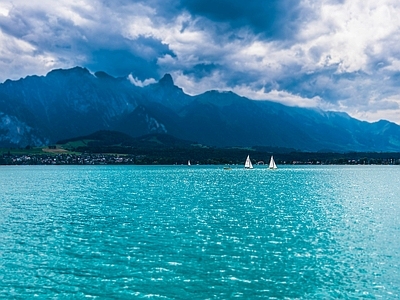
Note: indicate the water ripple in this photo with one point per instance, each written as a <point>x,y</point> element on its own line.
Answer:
<point>200,232</point>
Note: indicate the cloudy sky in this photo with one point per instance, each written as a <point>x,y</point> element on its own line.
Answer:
<point>334,54</point>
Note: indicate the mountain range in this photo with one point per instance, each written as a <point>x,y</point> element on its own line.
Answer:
<point>41,110</point>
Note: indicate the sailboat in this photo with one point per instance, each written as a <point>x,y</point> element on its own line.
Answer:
<point>272,164</point>
<point>248,164</point>
<point>188,162</point>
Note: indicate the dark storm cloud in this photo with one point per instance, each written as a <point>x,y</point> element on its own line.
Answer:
<point>98,42</point>
<point>140,58</point>
<point>272,19</point>
<point>40,29</point>
<point>339,53</point>
<point>201,70</point>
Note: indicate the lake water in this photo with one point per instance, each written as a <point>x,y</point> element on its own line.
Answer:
<point>199,232</point>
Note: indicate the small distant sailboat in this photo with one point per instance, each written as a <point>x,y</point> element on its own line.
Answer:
<point>188,162</point>
<point>248,164</point>
<point>272,164</point>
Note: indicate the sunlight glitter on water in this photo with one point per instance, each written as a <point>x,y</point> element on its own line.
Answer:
<point>170,232</point>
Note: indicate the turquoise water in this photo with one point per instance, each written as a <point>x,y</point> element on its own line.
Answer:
<point>179,232</point>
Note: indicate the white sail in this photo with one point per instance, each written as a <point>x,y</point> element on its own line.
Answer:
<point>188,162</point>
<point>272,164</point>
<point>248,164</point>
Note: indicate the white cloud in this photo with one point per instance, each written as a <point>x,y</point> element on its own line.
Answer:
<point>283,97</point>
<point>212,83</point>
<point>377,109</point>
<point>140,83</point>
<point>19,58</point>
<point>4,9</point>
<point>348,37</point>
<point>374,116</point>
<point>343,56</point>
<point>349,34</point>
<point>192,87</point>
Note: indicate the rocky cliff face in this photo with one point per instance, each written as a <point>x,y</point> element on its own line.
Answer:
<point>39,110</point>
<point>15,132</point>
<point>66,102</point>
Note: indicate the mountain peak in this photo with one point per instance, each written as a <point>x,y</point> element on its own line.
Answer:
<point>40,110</point>
<point>72,71</point>
<point>103,75</point>
<point>167,80</point>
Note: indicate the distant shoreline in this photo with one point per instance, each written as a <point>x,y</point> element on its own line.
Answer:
<point>165,158</point>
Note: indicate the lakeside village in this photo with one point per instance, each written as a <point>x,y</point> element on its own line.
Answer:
<point>129,159</point>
